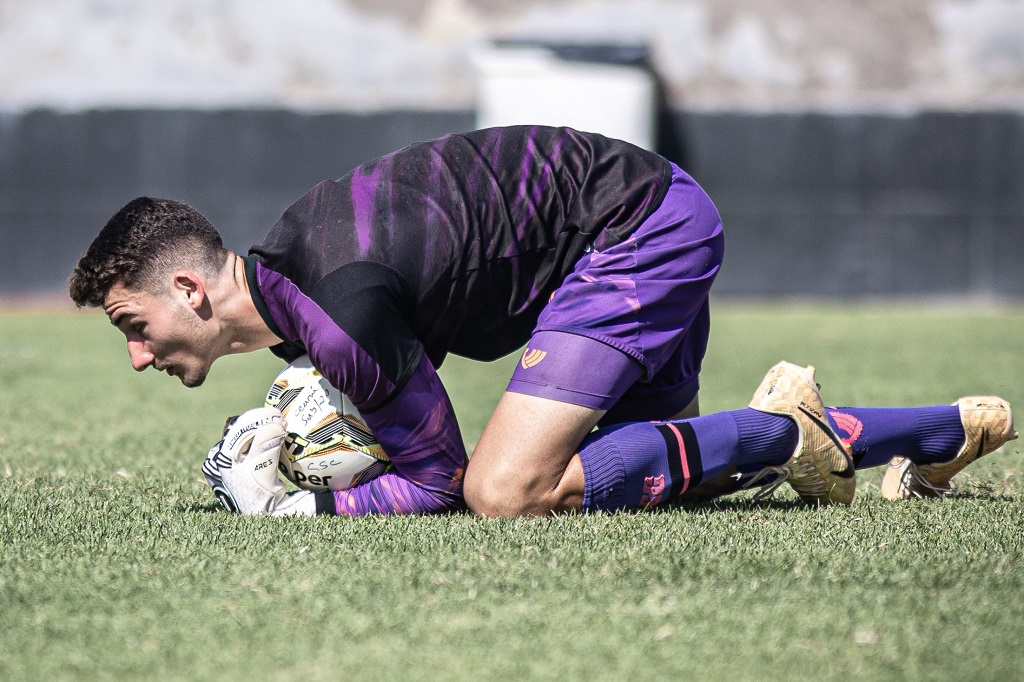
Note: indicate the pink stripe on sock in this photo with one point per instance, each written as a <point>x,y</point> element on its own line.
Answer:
<point>682,456</point>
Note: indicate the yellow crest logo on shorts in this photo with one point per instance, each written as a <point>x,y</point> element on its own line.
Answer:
<point>532,357</point>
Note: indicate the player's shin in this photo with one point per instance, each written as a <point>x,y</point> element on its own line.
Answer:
<point>877,434</point>
<point>645,464</point>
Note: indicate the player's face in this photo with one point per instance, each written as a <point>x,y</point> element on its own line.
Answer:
<point>163,332</point>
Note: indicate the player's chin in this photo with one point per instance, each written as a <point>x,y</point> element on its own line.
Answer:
<point>193,379</point>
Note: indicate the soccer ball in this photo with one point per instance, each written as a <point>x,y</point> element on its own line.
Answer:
<point>328,445</point>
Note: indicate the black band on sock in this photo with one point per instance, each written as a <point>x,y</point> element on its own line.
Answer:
<point>693,459</point>
<point>324,500</point>
<point>675,465</point>
<point>672,433</point>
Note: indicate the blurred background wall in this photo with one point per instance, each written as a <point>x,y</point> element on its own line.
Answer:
<point>854,147</point>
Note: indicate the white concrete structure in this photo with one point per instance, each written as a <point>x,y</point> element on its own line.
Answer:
<point>532,85</point>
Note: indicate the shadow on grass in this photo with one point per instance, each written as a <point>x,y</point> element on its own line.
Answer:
<point>734,504</point>
<point>194,508</point>
<point>723,504</point>
<point>980,495</point>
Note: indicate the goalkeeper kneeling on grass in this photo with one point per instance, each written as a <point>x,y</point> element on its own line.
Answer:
<point>597,255</point>
<point>930,445</point>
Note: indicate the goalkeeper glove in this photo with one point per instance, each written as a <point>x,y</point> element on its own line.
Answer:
<point>242,468</point>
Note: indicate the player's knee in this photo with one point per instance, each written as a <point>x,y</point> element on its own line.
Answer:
<point>485,499</point>
<point>492,494</point>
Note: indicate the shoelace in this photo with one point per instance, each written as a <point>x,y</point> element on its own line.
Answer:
<point>912,479</point>
<point>768,488</point>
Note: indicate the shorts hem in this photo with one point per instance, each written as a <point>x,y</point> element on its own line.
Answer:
<point>562,395</point>
<point>654,405</point>
<point>606,340</point>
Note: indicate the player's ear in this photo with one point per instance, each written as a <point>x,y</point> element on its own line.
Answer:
<point>190,285</point>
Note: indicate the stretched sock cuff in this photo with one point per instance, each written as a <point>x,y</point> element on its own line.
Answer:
<point>765,438</point>
<point>941,434</point>
<point>604,475</point>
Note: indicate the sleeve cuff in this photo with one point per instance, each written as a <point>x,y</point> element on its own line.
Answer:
<point>325,503</point>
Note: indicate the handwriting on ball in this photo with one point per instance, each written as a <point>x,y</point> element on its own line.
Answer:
<point>308,408</point>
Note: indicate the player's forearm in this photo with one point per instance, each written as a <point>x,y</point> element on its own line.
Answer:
<point>418,430</point>
<point>392,494</point>
<point>429,463</point>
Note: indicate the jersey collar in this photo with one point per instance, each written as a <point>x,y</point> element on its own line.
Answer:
<point>252,279</point>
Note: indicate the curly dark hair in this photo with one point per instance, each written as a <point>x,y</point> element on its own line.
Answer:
<point>143,240</point>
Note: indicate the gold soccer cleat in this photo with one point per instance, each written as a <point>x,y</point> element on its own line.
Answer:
<point>821,469</point>
<point>988,424</point>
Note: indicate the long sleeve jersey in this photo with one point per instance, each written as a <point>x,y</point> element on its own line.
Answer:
<point>453,245</point>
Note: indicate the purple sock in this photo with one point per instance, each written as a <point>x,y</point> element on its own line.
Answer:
<point>646,463</point>
<point>745,437</point>
<point>877,434</point>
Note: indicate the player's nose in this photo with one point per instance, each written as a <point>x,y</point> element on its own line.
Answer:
<point>140,357</point>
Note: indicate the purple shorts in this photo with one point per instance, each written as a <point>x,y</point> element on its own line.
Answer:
<point>627,330</point>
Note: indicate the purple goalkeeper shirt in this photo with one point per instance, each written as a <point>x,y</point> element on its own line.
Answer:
<point>453,245</point>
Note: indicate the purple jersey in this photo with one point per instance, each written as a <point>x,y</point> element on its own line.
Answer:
<point>453,245</point>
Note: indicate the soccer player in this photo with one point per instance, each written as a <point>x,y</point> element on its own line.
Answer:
<point>598,254</point>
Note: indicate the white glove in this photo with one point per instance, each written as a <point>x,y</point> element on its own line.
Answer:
<point>242,467</point>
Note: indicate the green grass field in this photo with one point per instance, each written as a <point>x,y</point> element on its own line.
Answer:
<point>116,564</point>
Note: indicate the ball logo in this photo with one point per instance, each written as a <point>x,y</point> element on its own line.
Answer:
<point>532,358</point>
<point>294,445</point>
<point>312,479</point>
